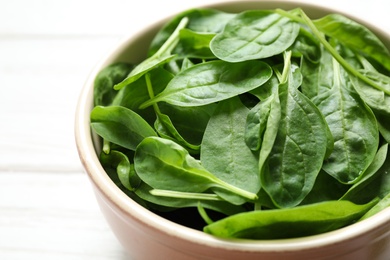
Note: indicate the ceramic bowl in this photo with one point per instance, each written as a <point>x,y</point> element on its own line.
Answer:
<point>146,235</point>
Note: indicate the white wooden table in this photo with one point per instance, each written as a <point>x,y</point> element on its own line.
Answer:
<point>47,48</point>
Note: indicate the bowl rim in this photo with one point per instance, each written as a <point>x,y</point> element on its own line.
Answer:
<point>85,147</point>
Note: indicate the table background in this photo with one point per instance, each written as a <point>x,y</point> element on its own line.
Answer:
<point>47,48</point>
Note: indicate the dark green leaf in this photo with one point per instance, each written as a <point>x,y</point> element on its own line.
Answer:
<point>165,165</point>
<point>124,168</point>
<point>105,80</point>
<point>213,81</point>
<point>224,152</point>
<point>120,125</point>
<point>352,124</point>
<point>298,151</point>
<point>289,223</point>
<point>254,34</point>
<point>200,20</point>
<point>355,36</point>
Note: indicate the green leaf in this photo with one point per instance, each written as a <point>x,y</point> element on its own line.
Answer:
<point>144,192</point>
<point>298,151</point>
<point>271,129</point>
<point>167,130</point>
<point>254,34</point>
<point>213,81</point>
<point>173,123</point>
<point>355,36</point>
<point>194,45</point>
<point>201,20</point>
<point>104,92</point>
<point>289,223</point>
<point>165,165</point>
<point>306,45</point>
<point>317,77</point>
<point>124,168</point>
<point>120,126</point>
<point>256,123</point>
<point>326,188</point>
<point>384,125</point>
<point>381,205</point>
<point>352,124</point>
<point>137,92</point>
<point>378,100</point>
<point>162,56</point>
<point>224,152</point>
<point>353,193</point>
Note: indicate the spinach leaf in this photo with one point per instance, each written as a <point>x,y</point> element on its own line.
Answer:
<point>343,62</point>
<point>124,168</point>
<point>201,20</point>
<point>176,118</point>
<point>317,77</point>
<point>162,56</point>
<point>212,81</point>
<point>352,124</point>
<point>376,184</point>
<point>298,151</point>
<point>254,34</point>
<point>384,126</point>
<point>381,205</point>
<point>194,45</point>
<point>167,130</point>
<point>224,152</point>
<point>256,123</point>
<point>105,80</point>
<point>307,46</point>
<point>165,165</point>
<point>264,91</point>
<point>378,100</point>
<point>326,188</point>
<point>353,193</point>
<point>137,92</point>
<point>355,36</point>
<point>145,192</point>
<point>120,125</point>
<point>265,116</point>
<point>289,223</point>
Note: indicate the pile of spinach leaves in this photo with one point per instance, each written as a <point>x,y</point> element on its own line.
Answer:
<point>279,123</point>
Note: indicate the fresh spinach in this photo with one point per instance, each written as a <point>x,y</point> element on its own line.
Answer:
<point>277,122</point>
<point>289,223</point>
<point>113,74</point>
<point>213,81</point>
<point>355,139</point>
<point>254,35</point>
<point>299,148</point>
<point>165,165</point>
<point>120,125</point>
<point>224,152</point>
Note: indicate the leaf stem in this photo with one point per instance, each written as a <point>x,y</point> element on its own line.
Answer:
<point>185,195</point>
<point>236,190</point>
<point>204,215</point>
<point>286,67</point>
<point>172,41</point>
<point>290,15</point>
<point>149,86</point>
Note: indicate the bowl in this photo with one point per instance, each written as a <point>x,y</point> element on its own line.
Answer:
<point>146,235</point>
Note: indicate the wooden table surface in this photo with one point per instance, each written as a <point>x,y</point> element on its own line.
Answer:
<point>47,48</point>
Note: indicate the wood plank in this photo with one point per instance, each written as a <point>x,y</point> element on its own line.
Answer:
<point>52,216</point>
<point>40,83</point>
<point>87,17</point>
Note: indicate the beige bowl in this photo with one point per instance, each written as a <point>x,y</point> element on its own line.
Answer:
<point>146,235</point>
